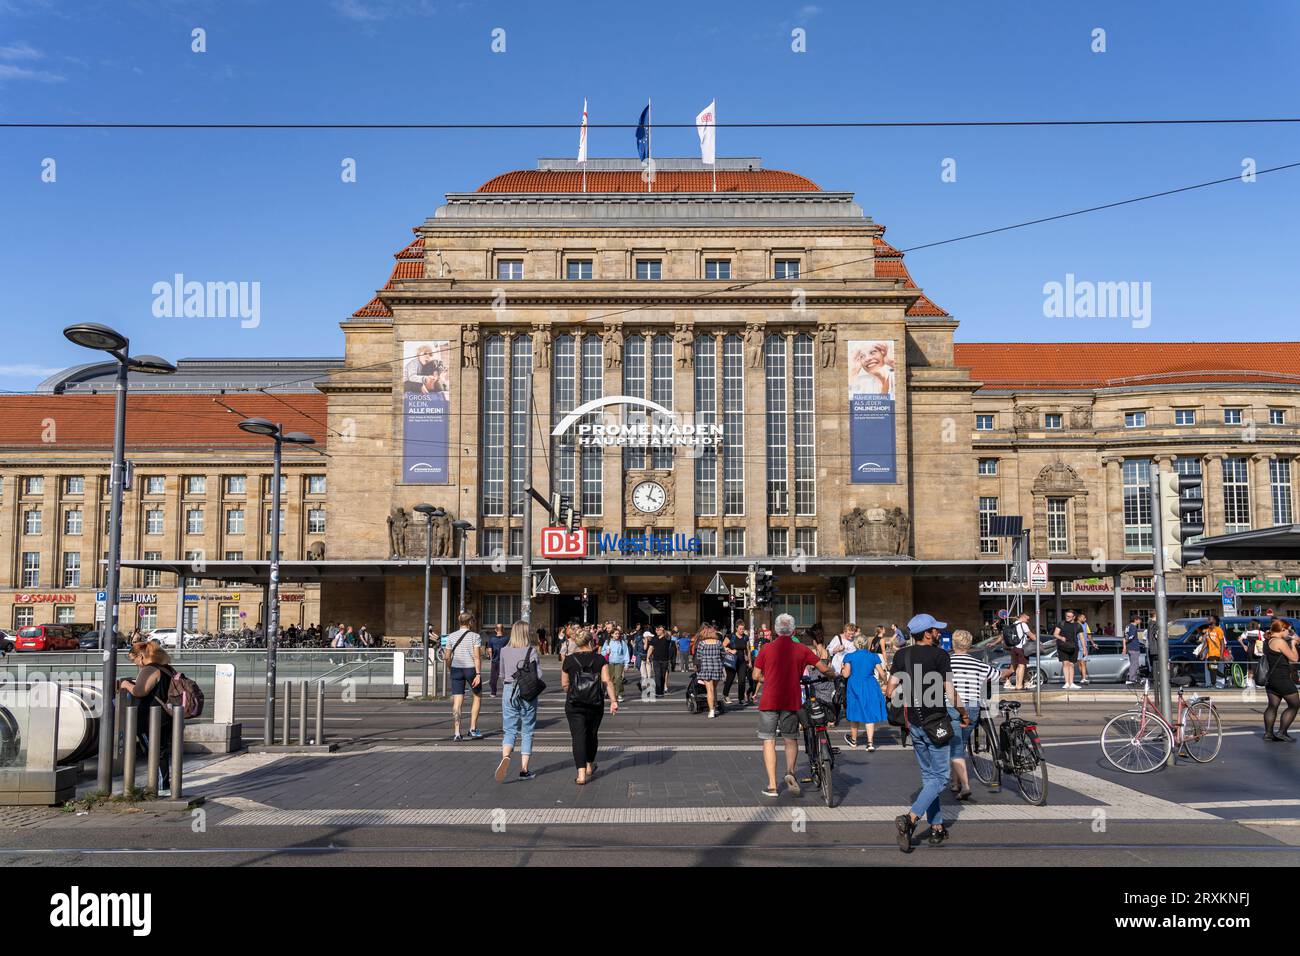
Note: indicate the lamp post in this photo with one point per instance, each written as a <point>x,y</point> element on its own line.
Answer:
<point>92,335</point>
<point>429,512</point>
<point>269,429</point>
<point>462,528</point>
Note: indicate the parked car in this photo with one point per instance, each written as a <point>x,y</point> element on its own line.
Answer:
<point>90,641</point>
<point>45,637</point>
<point>6,641</point>
<point>1185,634</point>
<point>1107,662</point>
<point>166,636</point>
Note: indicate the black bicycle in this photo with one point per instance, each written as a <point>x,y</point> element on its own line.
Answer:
<point>1012,748</point>
<point>814,716</point>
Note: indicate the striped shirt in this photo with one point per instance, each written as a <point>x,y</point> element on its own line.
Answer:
<point>463,656</point>
<point>969,675</point>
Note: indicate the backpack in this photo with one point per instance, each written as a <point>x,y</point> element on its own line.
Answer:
<point>527,684</point>
<point>587,688</point>
<point>184,696</point>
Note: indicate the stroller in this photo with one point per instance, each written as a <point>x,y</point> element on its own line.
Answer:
<point>697,698</point>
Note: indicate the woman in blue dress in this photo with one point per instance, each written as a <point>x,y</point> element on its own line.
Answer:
<point>865,701</point>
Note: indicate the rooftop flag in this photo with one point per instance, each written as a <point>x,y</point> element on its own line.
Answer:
<point>706,125</point>
<point>643,135</point>
<point>582,136</point>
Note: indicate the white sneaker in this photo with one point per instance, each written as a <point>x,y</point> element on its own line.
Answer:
<point>712,714</point>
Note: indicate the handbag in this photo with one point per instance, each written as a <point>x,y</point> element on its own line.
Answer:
<point>938,727</point>
<point>528,686</point>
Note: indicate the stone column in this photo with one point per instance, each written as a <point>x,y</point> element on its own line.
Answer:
<point>684,459</point>
<point>755,458</point>
<point>1113,514</point>
<point>1212,488</point>
<point>1261,491</point>
<point>614,519</point>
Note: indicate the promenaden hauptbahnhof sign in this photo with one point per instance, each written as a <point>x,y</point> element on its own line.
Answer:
<point>645,424</point>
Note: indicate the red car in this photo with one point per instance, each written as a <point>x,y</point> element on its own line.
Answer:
<point>45,637</point>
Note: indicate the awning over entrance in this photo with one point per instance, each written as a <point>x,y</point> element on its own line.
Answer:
<point>1261,544</point>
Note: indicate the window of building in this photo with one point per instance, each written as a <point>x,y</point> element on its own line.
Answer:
<point>149,618</point>
<point>236,484</point>
<point>805,542</point>
<point>717,268</point>
<point>32,521</point>
<point>733,426</point>
<point>593,542</point>
<point>494,425</point>
<point>267,525</point>
<point>1058,528</point>
<point>984,423</point>
<point>708,542</point>
<point>733,542</point>
<point>1195,583</point>
<point>72,569</point>
<point>706,413</point>
<point>74,485</point>
<point>516,542</point>
<point>315,520</point>
<point>1184,416</point>
<point>1143,582</point>
<point>591,460</point>
<point>1232,416</point>
<point>787,269</point>
<point>801,607</point>
<point>155,484</point>
<point>649,269</point>
<point>1137,504</point>
<point>577,378</point>
<point>234,556</point>
<point>153,521</point>
<point>492,543</point>
<point>235,521</point>
<point>1135,419</point>
<point>1052,420</point>
<point>284,486</point>
<point>315,484</point>
<point>228,615</point>
<point>499,609</point>
<point>1236,495</point>
<point>196,485</point>
<point>72,521</point>
<point>988,467</point>
<point>578,269</point>
<point>805,439</point>
<point>778,491</point>
<point>197,562</point>
<point>34,485</point>
<point>65,614</point>
<point>778,542</point>
<point>1191,467</point>
<point>988,510</point>
<point>152,577</point>
<point>24,616</point>
<point>31,574</point>
<point>1277,416</point>
<point>510,268</point>
<point>1279,481</point>
<point>521,384</point>
<point>194,521</point>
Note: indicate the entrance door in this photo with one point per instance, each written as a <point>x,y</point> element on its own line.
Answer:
<point>714,610</point>
<point>648,610</point>
<point>568,608</point>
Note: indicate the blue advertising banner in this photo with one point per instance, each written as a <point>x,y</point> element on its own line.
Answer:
<point>426,407</point>
<point>872,449</point>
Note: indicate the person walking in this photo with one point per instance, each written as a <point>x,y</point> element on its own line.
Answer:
<point>147,689</point>
<point>1252,650</point>
<point>1067,648</point>
<point>863,672</point>
<point>617,653</point>
<point>735,662</point>
<point>645,669</point>
<point>1280,656</point>
<point>463,655</point>
<point>1085,639</point>
<point>660,652</point>
<point>496,643</point>
<point>917,673</point>
<point>684,651</point>
<point>585,677</point>
<point>1016,639</point>
<point>761,640</point>
<point>518,716</point>
<point>1133,647</point>
<point>970,678</point>
<point>780,666</point>
<point>1213,641</point>
<point>708,663</point>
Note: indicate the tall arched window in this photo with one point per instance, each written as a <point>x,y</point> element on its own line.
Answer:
<point>805,450</point>
<point>778,492</point>
<point>521,384</point>
<point>494,425</point>
<point>706,413</point>
<point>733,426</point>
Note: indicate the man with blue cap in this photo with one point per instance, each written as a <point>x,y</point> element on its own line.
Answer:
<point>921,676</point>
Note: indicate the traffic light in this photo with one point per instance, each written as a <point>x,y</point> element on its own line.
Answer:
<point>1175,504</point>
<point>765,588</point>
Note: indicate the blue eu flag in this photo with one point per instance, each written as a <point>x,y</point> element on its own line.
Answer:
<point>643,135</point>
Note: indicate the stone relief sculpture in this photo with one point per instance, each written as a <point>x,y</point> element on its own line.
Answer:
<point>543,350</point>
<point>1081,418</point>
<point>685,347</point>
<point>399,521</point>
<point>754,346</point>
<point>613,348</point>
<point>875,532</point>
<point>1025,415</point>
<point>826,346</point>
<point>407,535</point>
<point>469,347</point>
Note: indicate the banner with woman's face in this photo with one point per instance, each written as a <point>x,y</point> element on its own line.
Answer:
<point>871,392</point>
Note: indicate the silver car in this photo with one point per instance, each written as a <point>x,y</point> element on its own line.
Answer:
<point>1107,663</point>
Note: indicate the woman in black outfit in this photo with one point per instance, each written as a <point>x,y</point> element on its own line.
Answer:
<point>150,687</point>
<point>585,676</point>
<point>1280,655</point>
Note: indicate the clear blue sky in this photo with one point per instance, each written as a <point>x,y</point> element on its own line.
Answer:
<point>131,208</point>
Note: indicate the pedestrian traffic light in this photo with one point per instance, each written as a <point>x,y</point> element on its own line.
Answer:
<point>564,510</point>
<point>1179,497</point>
<point>765,588</point>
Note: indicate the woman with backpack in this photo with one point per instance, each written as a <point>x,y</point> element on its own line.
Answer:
<point>519,694</point>
<point>150,687</point>
<point>585,678</point>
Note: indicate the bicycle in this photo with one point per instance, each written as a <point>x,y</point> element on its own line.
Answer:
<point>1140,741</point>
<point>1013,748</point>
<point>813,717</point>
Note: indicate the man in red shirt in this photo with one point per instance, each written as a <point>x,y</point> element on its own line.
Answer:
<point>779,666</point>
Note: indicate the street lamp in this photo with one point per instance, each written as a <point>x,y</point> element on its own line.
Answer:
<point>269,429</point>
<point>92,335</point>
<point>429,512</point>
<point>461,528</point>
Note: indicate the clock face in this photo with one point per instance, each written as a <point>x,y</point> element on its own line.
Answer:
<point>649,496</point>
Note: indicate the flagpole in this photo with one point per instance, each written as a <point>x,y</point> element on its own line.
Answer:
<point>715,146</point>
<point>649,143</point>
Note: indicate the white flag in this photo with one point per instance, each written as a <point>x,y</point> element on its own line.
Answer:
<point>706,126</point>
<point>582,136</point>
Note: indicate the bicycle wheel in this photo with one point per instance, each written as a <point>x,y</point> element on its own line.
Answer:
<point>1202,732</point>
<point>826,781</point>
<point>1238,673</point>
<point>1031,769</point>
<point>1136,744</point>
<point>983,758</point>
<point>827,750</point>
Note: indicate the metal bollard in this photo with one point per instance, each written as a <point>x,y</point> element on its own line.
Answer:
<point>119,704</point>
<point>302,713</point>
<point>286,716</point>
<point>178,753</point>
<point>320,713</point>
<point>132,723</point>
<point>155,744</point>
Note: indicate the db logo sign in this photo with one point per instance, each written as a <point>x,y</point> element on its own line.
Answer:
<point>563,543</point>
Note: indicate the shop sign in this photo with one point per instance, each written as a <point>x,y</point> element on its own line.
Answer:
<point>1258,586</point>
<point>560,542</point>
<point>646,424</point>
<point>31,597</point>
<point>140,598</point>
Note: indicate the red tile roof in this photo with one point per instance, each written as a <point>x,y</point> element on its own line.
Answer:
<point>889,265</point>
<point>1066,365</point>
<point>678,181</point>
<point>375,308</point>
<point>413,250</point>
<point>406,269</point>
<point>153,421</point>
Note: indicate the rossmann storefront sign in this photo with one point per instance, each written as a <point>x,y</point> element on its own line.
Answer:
<point>559,542</point>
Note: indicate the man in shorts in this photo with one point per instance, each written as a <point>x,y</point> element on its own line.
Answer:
<point>463,652</point>
<point>778,668</point>
<point>1016,638</point>
<point>1067,647</point>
